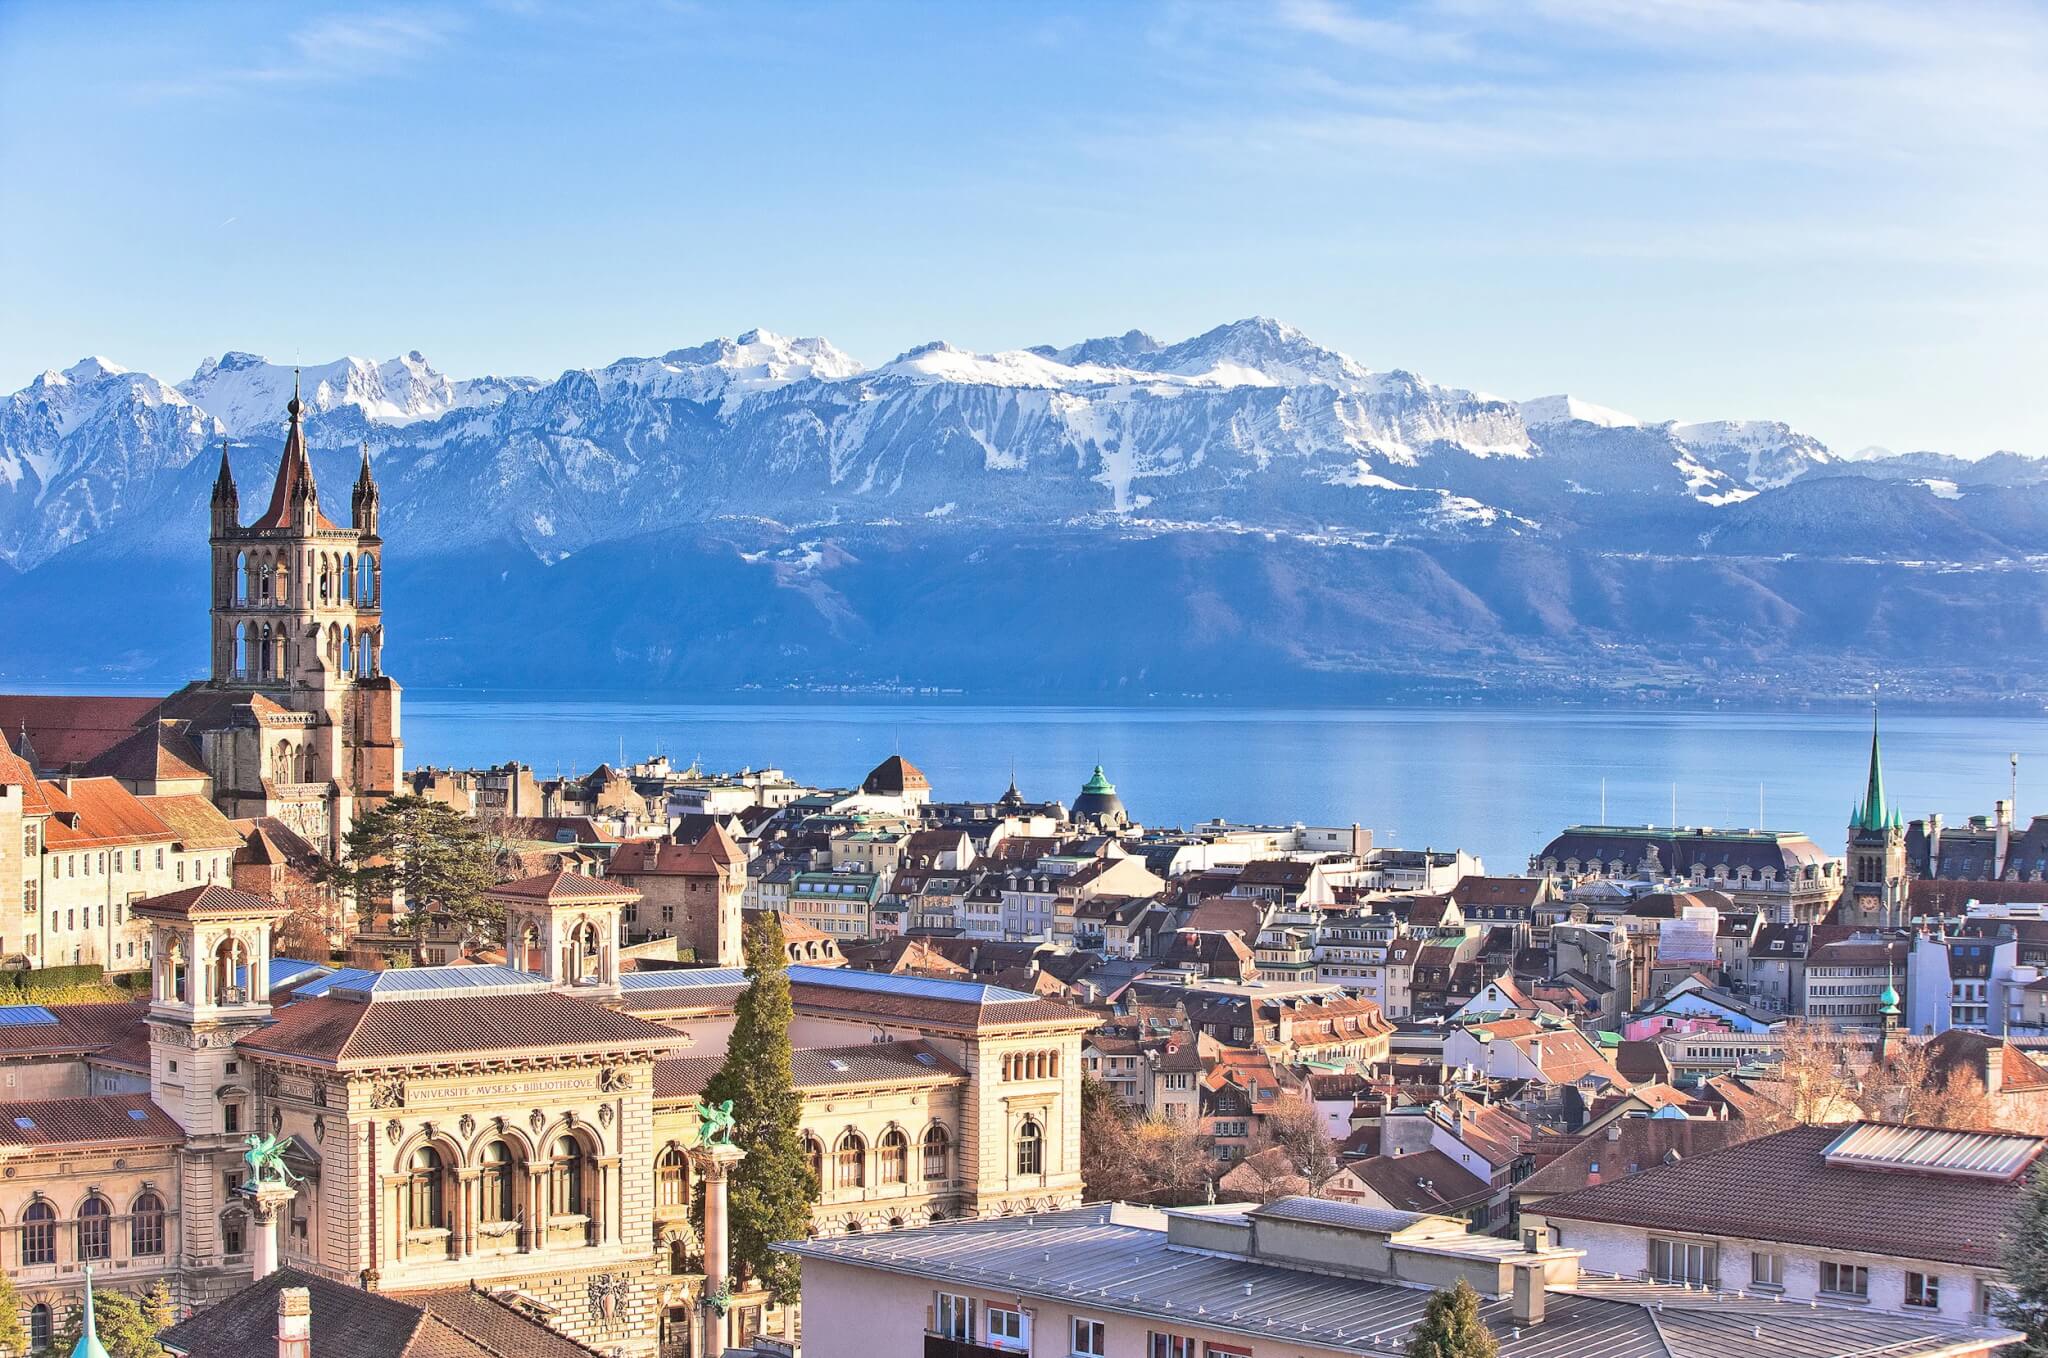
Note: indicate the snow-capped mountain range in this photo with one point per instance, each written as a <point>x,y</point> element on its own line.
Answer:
<point>1251,423</point>
<point>1247,507</point>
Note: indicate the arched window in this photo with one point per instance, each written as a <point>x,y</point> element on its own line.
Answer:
<point>1030,1147</point>
<point>814,1151</point>
<point>39,1333</point>
<point>892,1157</point>
<point>95,1229</point>
<point>326,581</point>
<point>583,952</point>
<point>671,1184</point>
<point>263,583</point>
<point>365,581</point>
<point>850,1160</point>
<point>348,583</point>
<point>567,1197</point>
<point>937,1151</point>
<point>530,956</point>
<point>39,1234</point>
<point>498,1202</point>
<point>146,1225</point>
<point>425,1203</point>
<point>348,650</point>
<point>230,964</point>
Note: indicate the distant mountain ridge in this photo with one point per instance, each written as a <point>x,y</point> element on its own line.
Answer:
<point>766,443</point>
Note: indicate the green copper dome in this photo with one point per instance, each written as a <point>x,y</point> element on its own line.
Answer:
<point>1097,785</point>
<point>1888,1002</point>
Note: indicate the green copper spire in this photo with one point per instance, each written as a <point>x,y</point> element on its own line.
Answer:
<point>1871,815</point>
<point>1097,784</point>
<point>88,1345</point>
<point>1888,1002</point>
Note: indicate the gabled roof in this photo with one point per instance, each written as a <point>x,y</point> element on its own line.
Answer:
<point>1422,1181</point>
<point>348,1322</point>
<point>157,751</point>
<point>75,1029</point>
<point>67,730</point>
<point>1636,1144</point>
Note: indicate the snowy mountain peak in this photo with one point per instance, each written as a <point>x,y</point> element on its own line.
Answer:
<point>247,392</point>
<point>759,360</point>
<point>91,369</point>
<point>1257,351</point>
<point>1545,411</point>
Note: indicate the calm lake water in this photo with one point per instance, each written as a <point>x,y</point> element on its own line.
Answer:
<point>1497,782</point>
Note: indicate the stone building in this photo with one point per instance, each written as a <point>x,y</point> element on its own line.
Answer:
<point>297,720</point>
<point>691,889</point>
<point>527,1132</point>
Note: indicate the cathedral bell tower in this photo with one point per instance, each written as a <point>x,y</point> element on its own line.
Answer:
<point>298,637</point>
<point>1876,894</point>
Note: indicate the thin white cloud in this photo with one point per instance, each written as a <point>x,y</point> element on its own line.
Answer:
<point>329,49</point>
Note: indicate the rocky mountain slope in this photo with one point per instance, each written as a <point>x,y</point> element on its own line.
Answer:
<point>1245,475</point>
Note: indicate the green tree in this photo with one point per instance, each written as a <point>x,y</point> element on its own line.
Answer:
<point>13,1330</point>
<point>1451,1327</point>
<point>432,854</point>
<point>2025,1303</point>
<point>125,1327</point>
<point>771,1191</point>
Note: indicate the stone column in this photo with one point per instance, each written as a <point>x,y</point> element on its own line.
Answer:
<point>465,1212</point>
<point>265,1202</point>
<point>713,1165</point>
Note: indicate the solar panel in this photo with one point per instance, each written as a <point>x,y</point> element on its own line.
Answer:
<point>25,1016</point>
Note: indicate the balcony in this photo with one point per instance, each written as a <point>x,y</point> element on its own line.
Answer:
<point>943,1346</point>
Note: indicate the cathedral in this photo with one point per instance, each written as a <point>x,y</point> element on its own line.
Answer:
<point>296,723</point>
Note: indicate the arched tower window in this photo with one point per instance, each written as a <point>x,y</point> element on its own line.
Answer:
<point>348,582</point>
<point>348,650</point>
<point>241,577</point>
<point>230,972</point>
<point>1030,1147</point>
<point>241,658</point>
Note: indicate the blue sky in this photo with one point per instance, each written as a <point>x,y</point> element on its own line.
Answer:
<point>1829,213</point>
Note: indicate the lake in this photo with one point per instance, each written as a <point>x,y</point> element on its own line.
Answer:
<point>1497,782</point>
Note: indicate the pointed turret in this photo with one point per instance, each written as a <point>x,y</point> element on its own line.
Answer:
<point>363,503</point>
<point>227,504</point>
<point>294,499</point>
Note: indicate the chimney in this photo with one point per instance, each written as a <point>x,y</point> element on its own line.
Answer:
<point>1994,1069</point>
<point>1528,1301</point>
<point>294,1323</point>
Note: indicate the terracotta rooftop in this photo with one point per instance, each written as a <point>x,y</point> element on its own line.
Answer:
<point>72,1029</point>
<point>211,899</point>
<point>124,1119</point>
<point>158,750</point>
<point>347,1322</point>
<point>195,820</point>
<point>1636,1145</point>
<point>564,886</point>
<point>67,730</point>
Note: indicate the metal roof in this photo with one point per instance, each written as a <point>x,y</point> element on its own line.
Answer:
<point>411,982</point>
<point>920,987</point>
<point>25,1016</point>
<point>682,978</point>
<point>1932,1150</point>
<point>1323,1212</point>
<point>1095,1259</point>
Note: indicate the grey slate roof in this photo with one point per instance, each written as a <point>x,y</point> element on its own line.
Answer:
<point>1088,1258</point>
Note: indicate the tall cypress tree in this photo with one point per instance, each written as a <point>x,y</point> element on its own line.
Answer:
<point>1451,1327</point>
<point>772,1190</point>
<point>2025,1305</point>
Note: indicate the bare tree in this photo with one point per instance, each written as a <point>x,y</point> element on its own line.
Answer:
<point>1294,1126</point>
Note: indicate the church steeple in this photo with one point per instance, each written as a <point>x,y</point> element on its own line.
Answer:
<point>1872,813</point>
<point>294,499</point>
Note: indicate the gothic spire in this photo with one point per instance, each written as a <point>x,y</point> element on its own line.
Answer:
<point>1871,815</point>
<point>294,499</point>
<point>224,480</point>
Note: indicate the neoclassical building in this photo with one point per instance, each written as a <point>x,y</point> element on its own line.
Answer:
<point>528,1131</point>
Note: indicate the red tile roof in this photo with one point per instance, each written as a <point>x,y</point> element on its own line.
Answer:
<point>69,729</point>
<point>210,901</point>
<point>123,1119</point>
<point>1422,1181</point>
<point>1637,1144</point>
<point>99,811</point>
<point>197,822</point>
<point>80,1030</point>
<point>157,750</point>
<point>565,886</point>
<point>348,1033</point>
